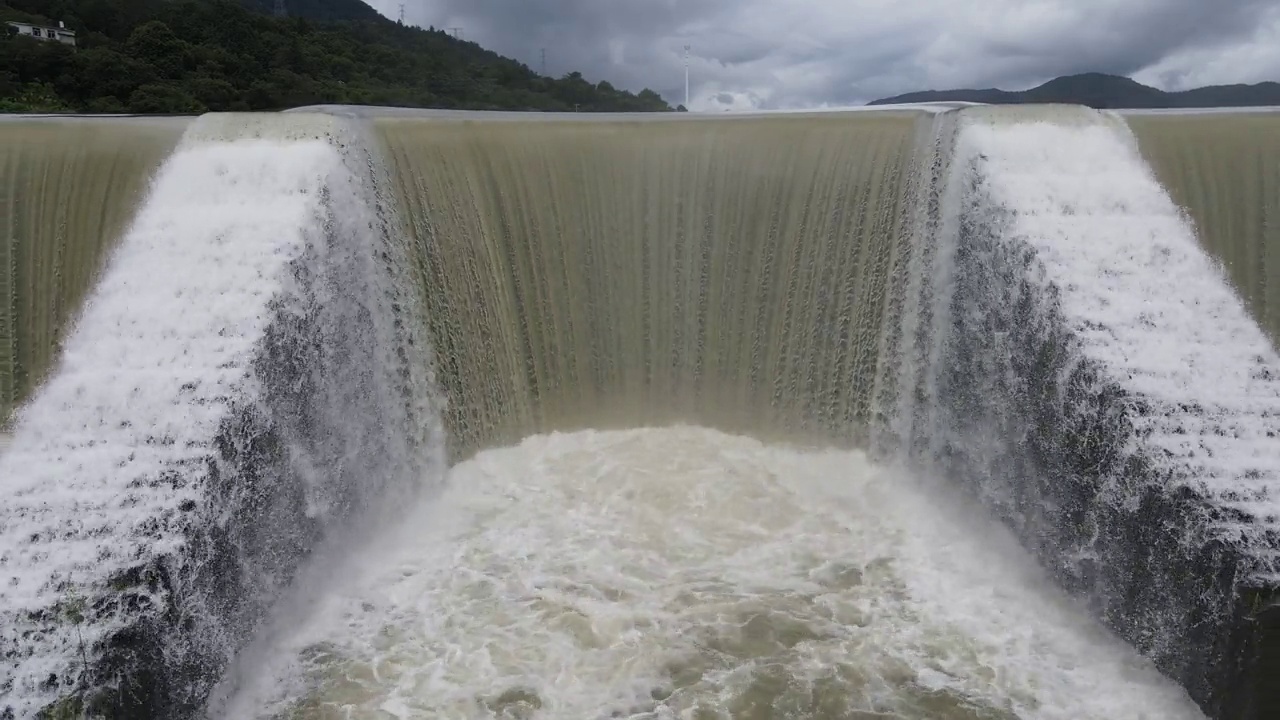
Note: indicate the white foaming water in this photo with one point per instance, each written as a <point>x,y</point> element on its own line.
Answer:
<point>162,349</point>
<point>151,365</point>
<point>1147,303</point>
<point>664,573</point>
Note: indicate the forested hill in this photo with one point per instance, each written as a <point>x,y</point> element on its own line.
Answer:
<point>1106,92</point>
<point>190,56</point>
<point>323,10</point>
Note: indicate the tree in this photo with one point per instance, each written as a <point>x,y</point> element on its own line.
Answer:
<point>34,60</point>
<point>103,72</point>
<point>164,98</point>
<point>155,44</point>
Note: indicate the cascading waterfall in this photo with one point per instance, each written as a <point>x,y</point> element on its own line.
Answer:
<point>615,273</point>
<point>1224,170</point>
<point>70,186</point>
<point>236,388</point>
<point>1004,300</point>
<point>1106,393</point>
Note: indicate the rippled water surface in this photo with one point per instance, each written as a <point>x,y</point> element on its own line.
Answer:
<point>683,573</point>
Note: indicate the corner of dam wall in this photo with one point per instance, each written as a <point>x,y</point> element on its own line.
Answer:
<point>238,388</point>
<point>1223,169</point>
<point>1006,297</point>
<point>1098,385</point>
<point>71,187</point>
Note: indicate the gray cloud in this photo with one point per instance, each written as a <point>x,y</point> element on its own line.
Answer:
<point>807,53</point>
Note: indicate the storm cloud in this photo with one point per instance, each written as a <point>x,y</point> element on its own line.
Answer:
<point>811,53</point>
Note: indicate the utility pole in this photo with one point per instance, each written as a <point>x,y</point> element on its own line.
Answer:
<point>280,11</point>
<point>401,13</point>
<point>686,76</point>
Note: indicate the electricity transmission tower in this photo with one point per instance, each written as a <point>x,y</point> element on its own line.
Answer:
<point>457,32</point>
<point>280,11</point>
<point>544,62</point>
<point>401,13</point>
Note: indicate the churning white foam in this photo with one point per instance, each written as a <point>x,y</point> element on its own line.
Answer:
<point>105,455</point>
<point>664,573</point>
<point>1148,303</point>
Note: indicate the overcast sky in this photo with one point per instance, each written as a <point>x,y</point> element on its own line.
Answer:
<point>809,53</point>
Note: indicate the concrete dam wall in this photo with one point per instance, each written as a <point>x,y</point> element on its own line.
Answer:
<point>308,317</point>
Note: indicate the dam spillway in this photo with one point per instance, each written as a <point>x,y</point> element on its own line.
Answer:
<point>70,188</point>
<point>622,273</point>
<point>194,444</point>
<point>1230,191</point>
<point>311,315</point>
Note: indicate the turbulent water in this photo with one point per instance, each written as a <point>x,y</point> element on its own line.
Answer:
<point>588,274</point>
<point>69,189</point>
<point>682,572</point>
<point>1231,191</point>
<point>230,395</point>
<point>230,495</point>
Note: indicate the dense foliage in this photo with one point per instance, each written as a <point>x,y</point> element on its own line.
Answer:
<point>189,56</point>
<point>1106,91</point>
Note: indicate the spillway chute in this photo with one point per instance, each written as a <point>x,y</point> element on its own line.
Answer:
<point>235,390</point>
<point>1105,391</point>
<point>313,314</point>
<point>71,188</point>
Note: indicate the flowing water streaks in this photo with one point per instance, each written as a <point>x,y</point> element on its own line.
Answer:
<point>793,278</point>
<point>1224,170</point>
<point>68,189</point>
<point>733,273</point>
<point>235,389</point>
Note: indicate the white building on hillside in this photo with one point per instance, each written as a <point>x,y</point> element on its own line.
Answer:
<point>60,34</point>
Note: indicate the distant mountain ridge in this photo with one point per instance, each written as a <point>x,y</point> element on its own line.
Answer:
<point>1102,91</point>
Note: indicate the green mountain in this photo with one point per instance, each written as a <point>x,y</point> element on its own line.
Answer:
<point>321,10</point>
<point>1106,91</point>
<point>191,56</point>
